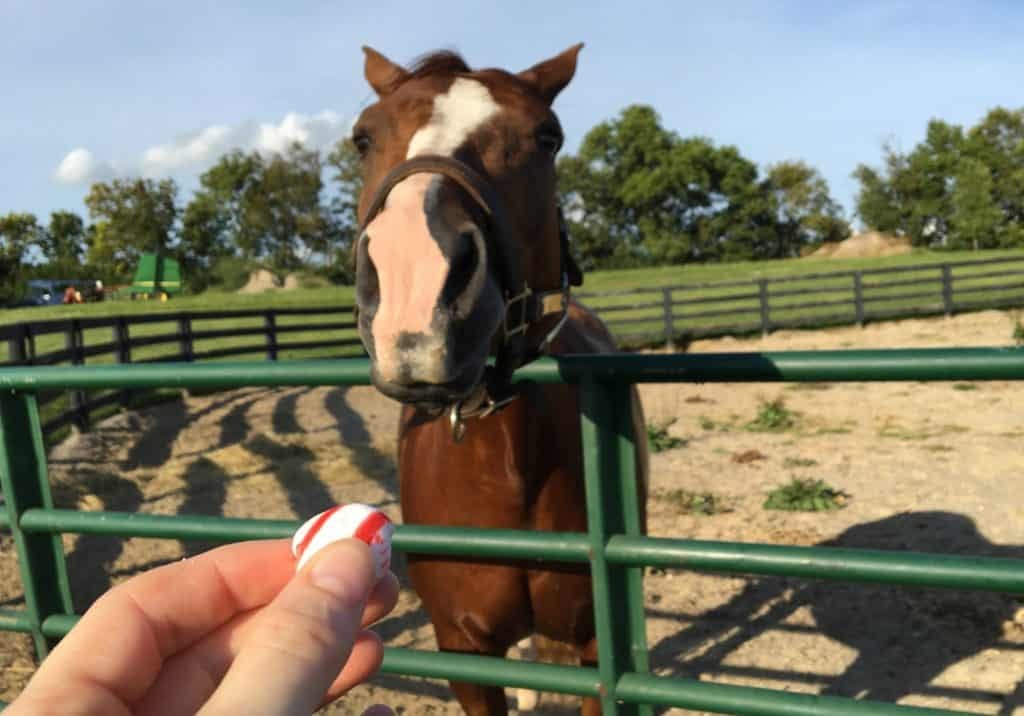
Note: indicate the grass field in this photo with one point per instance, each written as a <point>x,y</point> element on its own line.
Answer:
<point>805,296</point>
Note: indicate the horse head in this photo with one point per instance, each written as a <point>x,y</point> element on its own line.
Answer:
<point>461,255</point>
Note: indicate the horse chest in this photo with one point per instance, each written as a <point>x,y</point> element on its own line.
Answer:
<point>484,481</point>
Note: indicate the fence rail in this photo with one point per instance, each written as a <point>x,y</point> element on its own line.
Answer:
<point>612,546</point>
<point>636,317</point>
<point>185,336</point>
<point>700,310</point>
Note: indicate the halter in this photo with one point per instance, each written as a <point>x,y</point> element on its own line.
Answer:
<point>524,306</point>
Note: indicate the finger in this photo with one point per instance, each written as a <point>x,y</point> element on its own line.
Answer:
<point>379,710</point>
<point>366,658</point>
<point>143,621</point>
<point>189,677</point>
<point>300,641</point>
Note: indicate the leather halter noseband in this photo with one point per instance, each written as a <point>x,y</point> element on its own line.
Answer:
<point>523,305</point>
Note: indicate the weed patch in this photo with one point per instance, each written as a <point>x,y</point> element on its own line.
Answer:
<point>805,496</point>
<point>658,438</point>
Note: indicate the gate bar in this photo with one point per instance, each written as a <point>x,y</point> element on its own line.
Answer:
<point>630,688</point>
<point>991,574</point>
<point>900,364</point>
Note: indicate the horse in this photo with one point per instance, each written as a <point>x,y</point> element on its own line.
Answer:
<point>463,274</point>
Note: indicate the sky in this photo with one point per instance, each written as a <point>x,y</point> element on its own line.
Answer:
<point>93,90</point>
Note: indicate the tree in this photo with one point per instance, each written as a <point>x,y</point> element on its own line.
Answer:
<point>807,214</point>
<point>975,217</point>
<point>18,232</point>
<point>955,189</point>
<point>637,193</point>
<point>132,216</point>
<point>348,181</point>
<point>264,209</point>
<point>63,241</point>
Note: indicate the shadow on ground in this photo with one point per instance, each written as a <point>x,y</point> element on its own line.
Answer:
<point>887,626</point>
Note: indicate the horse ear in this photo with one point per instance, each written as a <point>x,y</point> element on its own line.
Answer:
<point>551,76</point>
<point>382,74</point>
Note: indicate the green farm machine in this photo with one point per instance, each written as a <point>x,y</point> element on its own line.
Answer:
<point>156,277</point>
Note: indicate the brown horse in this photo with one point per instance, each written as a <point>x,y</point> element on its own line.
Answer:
<point>462,256</point>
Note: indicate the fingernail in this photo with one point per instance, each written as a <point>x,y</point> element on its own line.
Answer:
<point>339,572</point>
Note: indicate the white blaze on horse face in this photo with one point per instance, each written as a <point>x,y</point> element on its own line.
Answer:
<point>459,112</point>
<point>411,267</point>
<point>411,271</point>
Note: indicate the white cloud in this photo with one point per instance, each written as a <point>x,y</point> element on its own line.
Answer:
<point>316,132</point>
<point>198,150</point>
<point>79,166</point>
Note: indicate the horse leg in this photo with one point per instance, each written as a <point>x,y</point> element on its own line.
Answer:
<point>476,700</point>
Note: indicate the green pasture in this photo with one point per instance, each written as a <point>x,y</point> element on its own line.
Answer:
<point>806,297</point>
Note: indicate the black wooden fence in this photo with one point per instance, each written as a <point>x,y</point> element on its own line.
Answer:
<point>166,337</point>
<point>643,316</point>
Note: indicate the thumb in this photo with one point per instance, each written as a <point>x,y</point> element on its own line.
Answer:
<point>300,641</point>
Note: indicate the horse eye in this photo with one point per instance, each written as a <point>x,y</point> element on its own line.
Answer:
<point>549,142</point>
<point>362,142</point>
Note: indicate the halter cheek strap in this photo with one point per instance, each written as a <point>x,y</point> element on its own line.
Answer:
<point>524,306</point>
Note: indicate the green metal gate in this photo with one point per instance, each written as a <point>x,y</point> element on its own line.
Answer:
<point>612,546</point>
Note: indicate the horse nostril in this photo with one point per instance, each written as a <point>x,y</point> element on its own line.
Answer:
<point>465,273</point>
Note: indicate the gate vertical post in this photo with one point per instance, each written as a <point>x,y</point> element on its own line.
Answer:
<point>25,485</point>
<point>613,508</point>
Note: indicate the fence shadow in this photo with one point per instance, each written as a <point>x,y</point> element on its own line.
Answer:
<point>90,563</point>
<point>887,626</point>
<point>371,462</point>
<point>206,490</point>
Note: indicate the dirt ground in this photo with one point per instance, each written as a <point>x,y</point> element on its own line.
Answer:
<point>928,468</point>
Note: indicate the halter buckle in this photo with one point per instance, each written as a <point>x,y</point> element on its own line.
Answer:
<point>524,318</point>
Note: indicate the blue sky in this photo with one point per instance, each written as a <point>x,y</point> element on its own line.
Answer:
<point>95,89</point>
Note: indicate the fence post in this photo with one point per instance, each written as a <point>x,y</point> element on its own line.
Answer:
<point>858,297</point>
<point>947,289</point>
<point>16,352</point>
<point>613,507</point>
<point>30,345</point>
<point>73,339</point>
<point>123,354</point>
<point>270,324</point>
<point>185,342</point>
<point>762,293</point>
<point>25,486</point>
<point>670,329</point>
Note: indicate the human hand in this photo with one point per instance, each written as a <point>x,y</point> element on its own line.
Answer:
<point>233,630</point>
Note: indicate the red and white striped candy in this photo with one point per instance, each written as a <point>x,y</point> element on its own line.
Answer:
<point>343,521</point>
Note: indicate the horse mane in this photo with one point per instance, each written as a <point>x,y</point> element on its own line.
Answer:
<point>438,62</point>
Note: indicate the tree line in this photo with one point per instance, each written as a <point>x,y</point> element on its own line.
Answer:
<point>634,194</point>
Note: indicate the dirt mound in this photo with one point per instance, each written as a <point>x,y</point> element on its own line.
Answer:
<point>263,280</point>
<point>866,243</point>
<point>260,281</point>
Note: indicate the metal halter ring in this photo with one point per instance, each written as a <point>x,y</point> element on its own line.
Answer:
<point>457,423</point>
